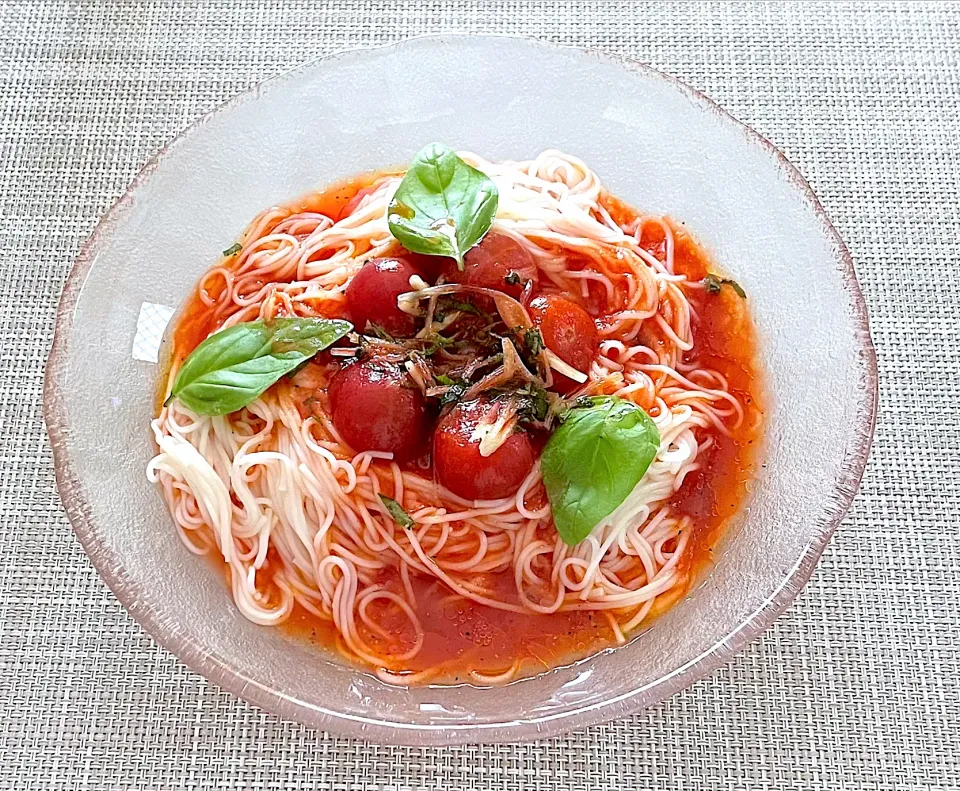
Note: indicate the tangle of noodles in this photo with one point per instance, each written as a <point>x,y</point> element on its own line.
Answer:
<point>295,515</point>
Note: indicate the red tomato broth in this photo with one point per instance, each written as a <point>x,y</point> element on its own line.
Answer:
<point>194,321</point>
<point>460,635</point>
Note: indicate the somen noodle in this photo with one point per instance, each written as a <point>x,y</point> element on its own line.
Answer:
<point>296,513</point>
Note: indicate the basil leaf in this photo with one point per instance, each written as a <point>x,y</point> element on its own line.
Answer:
<point>594,460</point>
<point>232,250</point>
<point>397,514</point>
<point>233,367</point>
<point>442,206</point>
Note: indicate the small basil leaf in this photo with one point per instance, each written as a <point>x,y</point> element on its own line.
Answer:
<point>232,250</point>
<point>736,287</point>
<point>443,206</point>
<point>533,341</point>
<point>594,460</point>
<point>464,307</point>
<point>397,514</point>
<point>713,284</point>
<point>233,367</point>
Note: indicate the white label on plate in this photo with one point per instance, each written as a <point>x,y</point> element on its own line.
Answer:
<point>151,323</point>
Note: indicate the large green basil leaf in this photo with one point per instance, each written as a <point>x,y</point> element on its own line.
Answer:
<point>594,460</point>
<point>442,206</point>
<point>233,367</point>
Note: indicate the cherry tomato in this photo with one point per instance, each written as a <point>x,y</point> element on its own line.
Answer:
<point>377,407</point>
<point>427,266</point>
<point>569,332</point>
<point>372,295</point>
<point>498,262</point>
<point>459,465</point>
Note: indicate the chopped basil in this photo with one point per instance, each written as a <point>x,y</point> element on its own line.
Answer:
<point>533,340</point>
<point>713,284</point>
<point>380,332</point>
<point>454,394</point>
<point>232,250</point>
<point>451,303</point>
<point>457,387</point>
<point>534,404</point>
<point>397,514</point>
<point>436,342</point>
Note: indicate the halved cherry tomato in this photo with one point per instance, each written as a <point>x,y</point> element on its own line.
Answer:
<point>569,332</point>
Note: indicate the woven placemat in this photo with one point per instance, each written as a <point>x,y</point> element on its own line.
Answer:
<point>858,686</point>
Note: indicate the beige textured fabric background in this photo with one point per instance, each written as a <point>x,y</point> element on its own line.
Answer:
<point>858,686</point>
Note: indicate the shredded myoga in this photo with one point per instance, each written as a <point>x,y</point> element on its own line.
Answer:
<point>296,513</point>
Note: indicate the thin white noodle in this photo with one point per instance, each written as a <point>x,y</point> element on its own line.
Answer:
<point>267,486</point>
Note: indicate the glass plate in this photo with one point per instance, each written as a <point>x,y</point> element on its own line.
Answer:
<point>653,141</point>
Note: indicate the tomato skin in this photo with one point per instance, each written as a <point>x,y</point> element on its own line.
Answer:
<point>460,467</point>
<point>569,332</point>
<point>375,406</point>
<point>493,260</point>
<point>372,295</point>
<point>427,266</point>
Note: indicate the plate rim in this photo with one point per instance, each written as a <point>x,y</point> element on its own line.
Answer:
<point>111,570</point>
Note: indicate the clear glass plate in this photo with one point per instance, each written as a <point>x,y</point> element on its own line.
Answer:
<point>653,141</point>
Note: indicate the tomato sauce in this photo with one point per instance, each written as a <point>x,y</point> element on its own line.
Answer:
<point>195,321</point>
<point>462,635</point>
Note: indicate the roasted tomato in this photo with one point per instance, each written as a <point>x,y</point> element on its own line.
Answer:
<point>376,406</point>
<point>569,332</point>
<point>372,295</point>
<point>498,262</point>
<point>463,470</point>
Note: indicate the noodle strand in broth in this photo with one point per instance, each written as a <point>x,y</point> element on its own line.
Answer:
<point>296,515</point>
